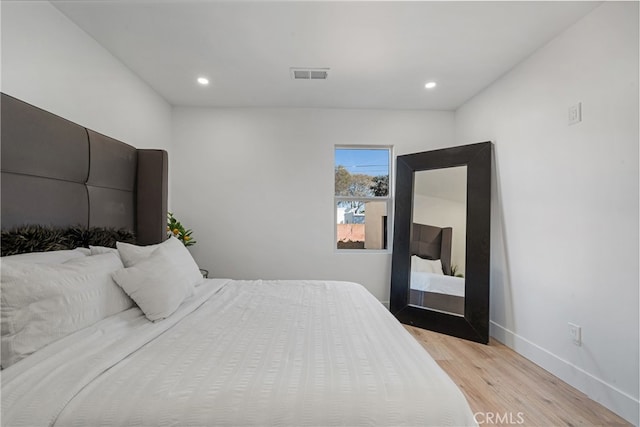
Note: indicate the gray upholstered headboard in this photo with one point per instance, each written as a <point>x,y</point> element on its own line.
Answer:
<point>58,173</point>
<point>432,242</point>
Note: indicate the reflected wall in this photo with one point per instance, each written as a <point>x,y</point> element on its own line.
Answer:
<point>439,211</point>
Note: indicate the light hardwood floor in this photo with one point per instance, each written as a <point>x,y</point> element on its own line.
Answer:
<point>505,389</point>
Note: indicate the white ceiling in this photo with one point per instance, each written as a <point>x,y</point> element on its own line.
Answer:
<point>380,53</point>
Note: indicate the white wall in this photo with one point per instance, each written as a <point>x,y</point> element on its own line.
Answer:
<point>50,62</point>
<point>237,171</point>
<point>445,213</point>
<point>565,217</point>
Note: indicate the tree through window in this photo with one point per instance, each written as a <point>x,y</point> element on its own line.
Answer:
<point>362,196</point>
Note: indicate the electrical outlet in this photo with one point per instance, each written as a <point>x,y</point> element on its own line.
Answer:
<point>575,113</point>
<point>575,332</point>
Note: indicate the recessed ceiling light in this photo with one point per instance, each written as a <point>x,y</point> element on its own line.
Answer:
<point>203,81</point>
<point>430,85</point>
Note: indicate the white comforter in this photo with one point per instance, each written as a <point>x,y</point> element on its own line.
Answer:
<point>438,283</point>
<point>239,353</point>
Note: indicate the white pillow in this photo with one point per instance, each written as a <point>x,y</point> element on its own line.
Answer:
<point>50,257</point>
<point>97,250</point>
<point>421,265</point>
<point>41,303</point>
<point>132,254</point>
<point>156,283</point>
<point>436,265</point>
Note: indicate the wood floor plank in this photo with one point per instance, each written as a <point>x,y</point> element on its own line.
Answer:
<point>505,389</point>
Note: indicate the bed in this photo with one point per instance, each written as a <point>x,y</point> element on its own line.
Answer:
<point>437,283</point>
<point>133,335</point>
<point>432,284</point>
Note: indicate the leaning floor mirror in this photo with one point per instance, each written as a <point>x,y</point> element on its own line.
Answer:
<point>440,263</point>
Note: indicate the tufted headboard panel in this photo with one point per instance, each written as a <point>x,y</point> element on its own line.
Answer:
<point>432,242</point>
<point>58,173</point>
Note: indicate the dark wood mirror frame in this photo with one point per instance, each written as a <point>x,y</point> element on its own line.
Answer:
<point>474,325</point>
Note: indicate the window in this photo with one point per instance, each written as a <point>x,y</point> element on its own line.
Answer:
<point>362,197</point>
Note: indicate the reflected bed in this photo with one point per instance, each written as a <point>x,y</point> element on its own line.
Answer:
<point>438,283</point>
<point>431,284</point>
<point>437,292</point>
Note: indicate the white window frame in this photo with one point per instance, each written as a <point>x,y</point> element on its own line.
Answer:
<point>388,199</point>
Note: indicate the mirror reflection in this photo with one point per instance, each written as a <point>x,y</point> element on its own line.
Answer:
<point>438,238</point>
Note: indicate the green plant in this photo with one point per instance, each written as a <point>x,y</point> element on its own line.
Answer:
<point>454,271</point>
<point>175,228</point>
<point>42,238</point>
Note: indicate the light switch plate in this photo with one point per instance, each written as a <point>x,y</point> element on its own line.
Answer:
<point>575,113</point>
<point>575,332</point>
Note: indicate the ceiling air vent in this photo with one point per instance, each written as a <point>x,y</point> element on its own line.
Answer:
<point>309,73</point>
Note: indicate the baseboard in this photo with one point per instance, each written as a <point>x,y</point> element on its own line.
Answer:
<point>608,396</point>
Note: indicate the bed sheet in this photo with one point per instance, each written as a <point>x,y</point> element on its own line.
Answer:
<point>289,353</point>
<point>438,283</point>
